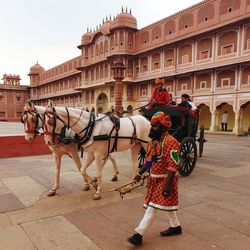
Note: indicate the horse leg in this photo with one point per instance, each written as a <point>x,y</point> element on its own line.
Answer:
<point>75,156</point>
<point>112,159</point>
<point>88,180</point>
<point>56,185</point>
<point>99,164</point>
<point>134,155</point>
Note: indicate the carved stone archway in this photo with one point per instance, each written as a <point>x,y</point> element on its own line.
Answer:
<point>205,116</point>
<point>244,119</point>
<point>220,109</point>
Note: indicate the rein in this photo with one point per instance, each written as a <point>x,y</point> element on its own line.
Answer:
<point>52,115</point>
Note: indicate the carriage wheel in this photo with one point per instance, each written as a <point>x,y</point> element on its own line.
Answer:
<point>201,140</point>
<point>188,156</point>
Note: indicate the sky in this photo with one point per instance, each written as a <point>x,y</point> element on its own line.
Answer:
<point>49,31</point>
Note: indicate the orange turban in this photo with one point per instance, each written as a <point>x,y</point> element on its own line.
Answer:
<point>159,81</point>
<point>164,120</point>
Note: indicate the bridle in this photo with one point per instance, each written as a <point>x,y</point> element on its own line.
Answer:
<point>52,121</point>
<point>52,117</point>
<point>35,120</point>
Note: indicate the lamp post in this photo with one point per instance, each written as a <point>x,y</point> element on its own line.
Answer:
<point>118,68</point>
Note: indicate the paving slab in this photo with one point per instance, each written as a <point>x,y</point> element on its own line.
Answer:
<point>233,172</point>
<point>57,205</point>
<point>9,202</point>
<point>25,188</point>
<point>3,188</point>
<point>5,221</point>
<point>116,222</point>
<point>57,233</point>
<point>227,218</point>
<point>14,238</point>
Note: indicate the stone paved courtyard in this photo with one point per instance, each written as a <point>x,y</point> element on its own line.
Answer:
<point>214,204</point>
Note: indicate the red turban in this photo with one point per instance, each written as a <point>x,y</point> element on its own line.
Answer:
<point>159,81</point>
<point>164,120</point>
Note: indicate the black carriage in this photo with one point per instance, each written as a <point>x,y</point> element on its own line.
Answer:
<point>184,129</point>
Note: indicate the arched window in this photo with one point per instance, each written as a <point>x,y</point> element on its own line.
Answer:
<point>145,37</point>
<point>156,33</point>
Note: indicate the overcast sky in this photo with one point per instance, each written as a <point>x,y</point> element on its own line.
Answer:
<point>50,30</point>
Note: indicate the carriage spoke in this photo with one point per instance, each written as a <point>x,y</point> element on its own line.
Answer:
<point>188,155</point>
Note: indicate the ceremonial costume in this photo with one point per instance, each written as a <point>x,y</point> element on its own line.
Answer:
<point>160,95</point>
<point>162,163</point>
<point>163,157</point>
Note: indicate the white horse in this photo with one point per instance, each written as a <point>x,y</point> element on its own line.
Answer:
<point>133,134</point>
<point>33,118</point>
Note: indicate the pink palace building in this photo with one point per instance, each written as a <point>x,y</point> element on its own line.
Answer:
<point>203,50</point>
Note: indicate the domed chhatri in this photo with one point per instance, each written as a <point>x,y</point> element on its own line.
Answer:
<point>125,19</point>
<point>36,69</point>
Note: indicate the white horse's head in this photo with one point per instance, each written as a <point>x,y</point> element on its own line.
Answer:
<point>32,121</point>
<point>53,124</point>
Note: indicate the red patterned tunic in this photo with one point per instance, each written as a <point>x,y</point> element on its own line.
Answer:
<point>163,156</point>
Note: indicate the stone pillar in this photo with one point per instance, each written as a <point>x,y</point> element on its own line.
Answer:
<point>238,124</point>
<point>118,68</point>
<point>214,121</point>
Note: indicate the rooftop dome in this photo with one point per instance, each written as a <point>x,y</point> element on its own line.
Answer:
<point>126,19</point>
<point>36,69</point>
<point>86,38</point>
<point>105,28</point>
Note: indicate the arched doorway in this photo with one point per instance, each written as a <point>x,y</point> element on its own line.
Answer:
<point>102,103</point>
<point>245,108</point>
<point>205,116</point>
<point>221,108</point>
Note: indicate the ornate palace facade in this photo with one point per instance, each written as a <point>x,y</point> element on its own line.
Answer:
<point>203,50</point>
<point>12,98</point>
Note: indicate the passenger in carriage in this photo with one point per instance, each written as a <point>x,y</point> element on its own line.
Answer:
<point>162,162</point>
<point>160,96</point>
<point>185,101</point>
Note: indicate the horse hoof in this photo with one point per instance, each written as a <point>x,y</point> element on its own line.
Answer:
<point>94,184</point>
<point>86,188</point>
<point>96,197</point>
<point>115,178</point>
<point>51,192</point>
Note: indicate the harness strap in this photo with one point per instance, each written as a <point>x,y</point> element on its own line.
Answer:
<point>89,130</point>
<point>134,136</point>
<point>68,116</point>
<point>109,137</point>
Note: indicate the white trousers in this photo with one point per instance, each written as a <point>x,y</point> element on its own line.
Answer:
<point>149,217</point>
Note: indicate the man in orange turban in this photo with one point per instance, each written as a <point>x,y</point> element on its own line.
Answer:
<point>162,162</point>
<point>160,95</point>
